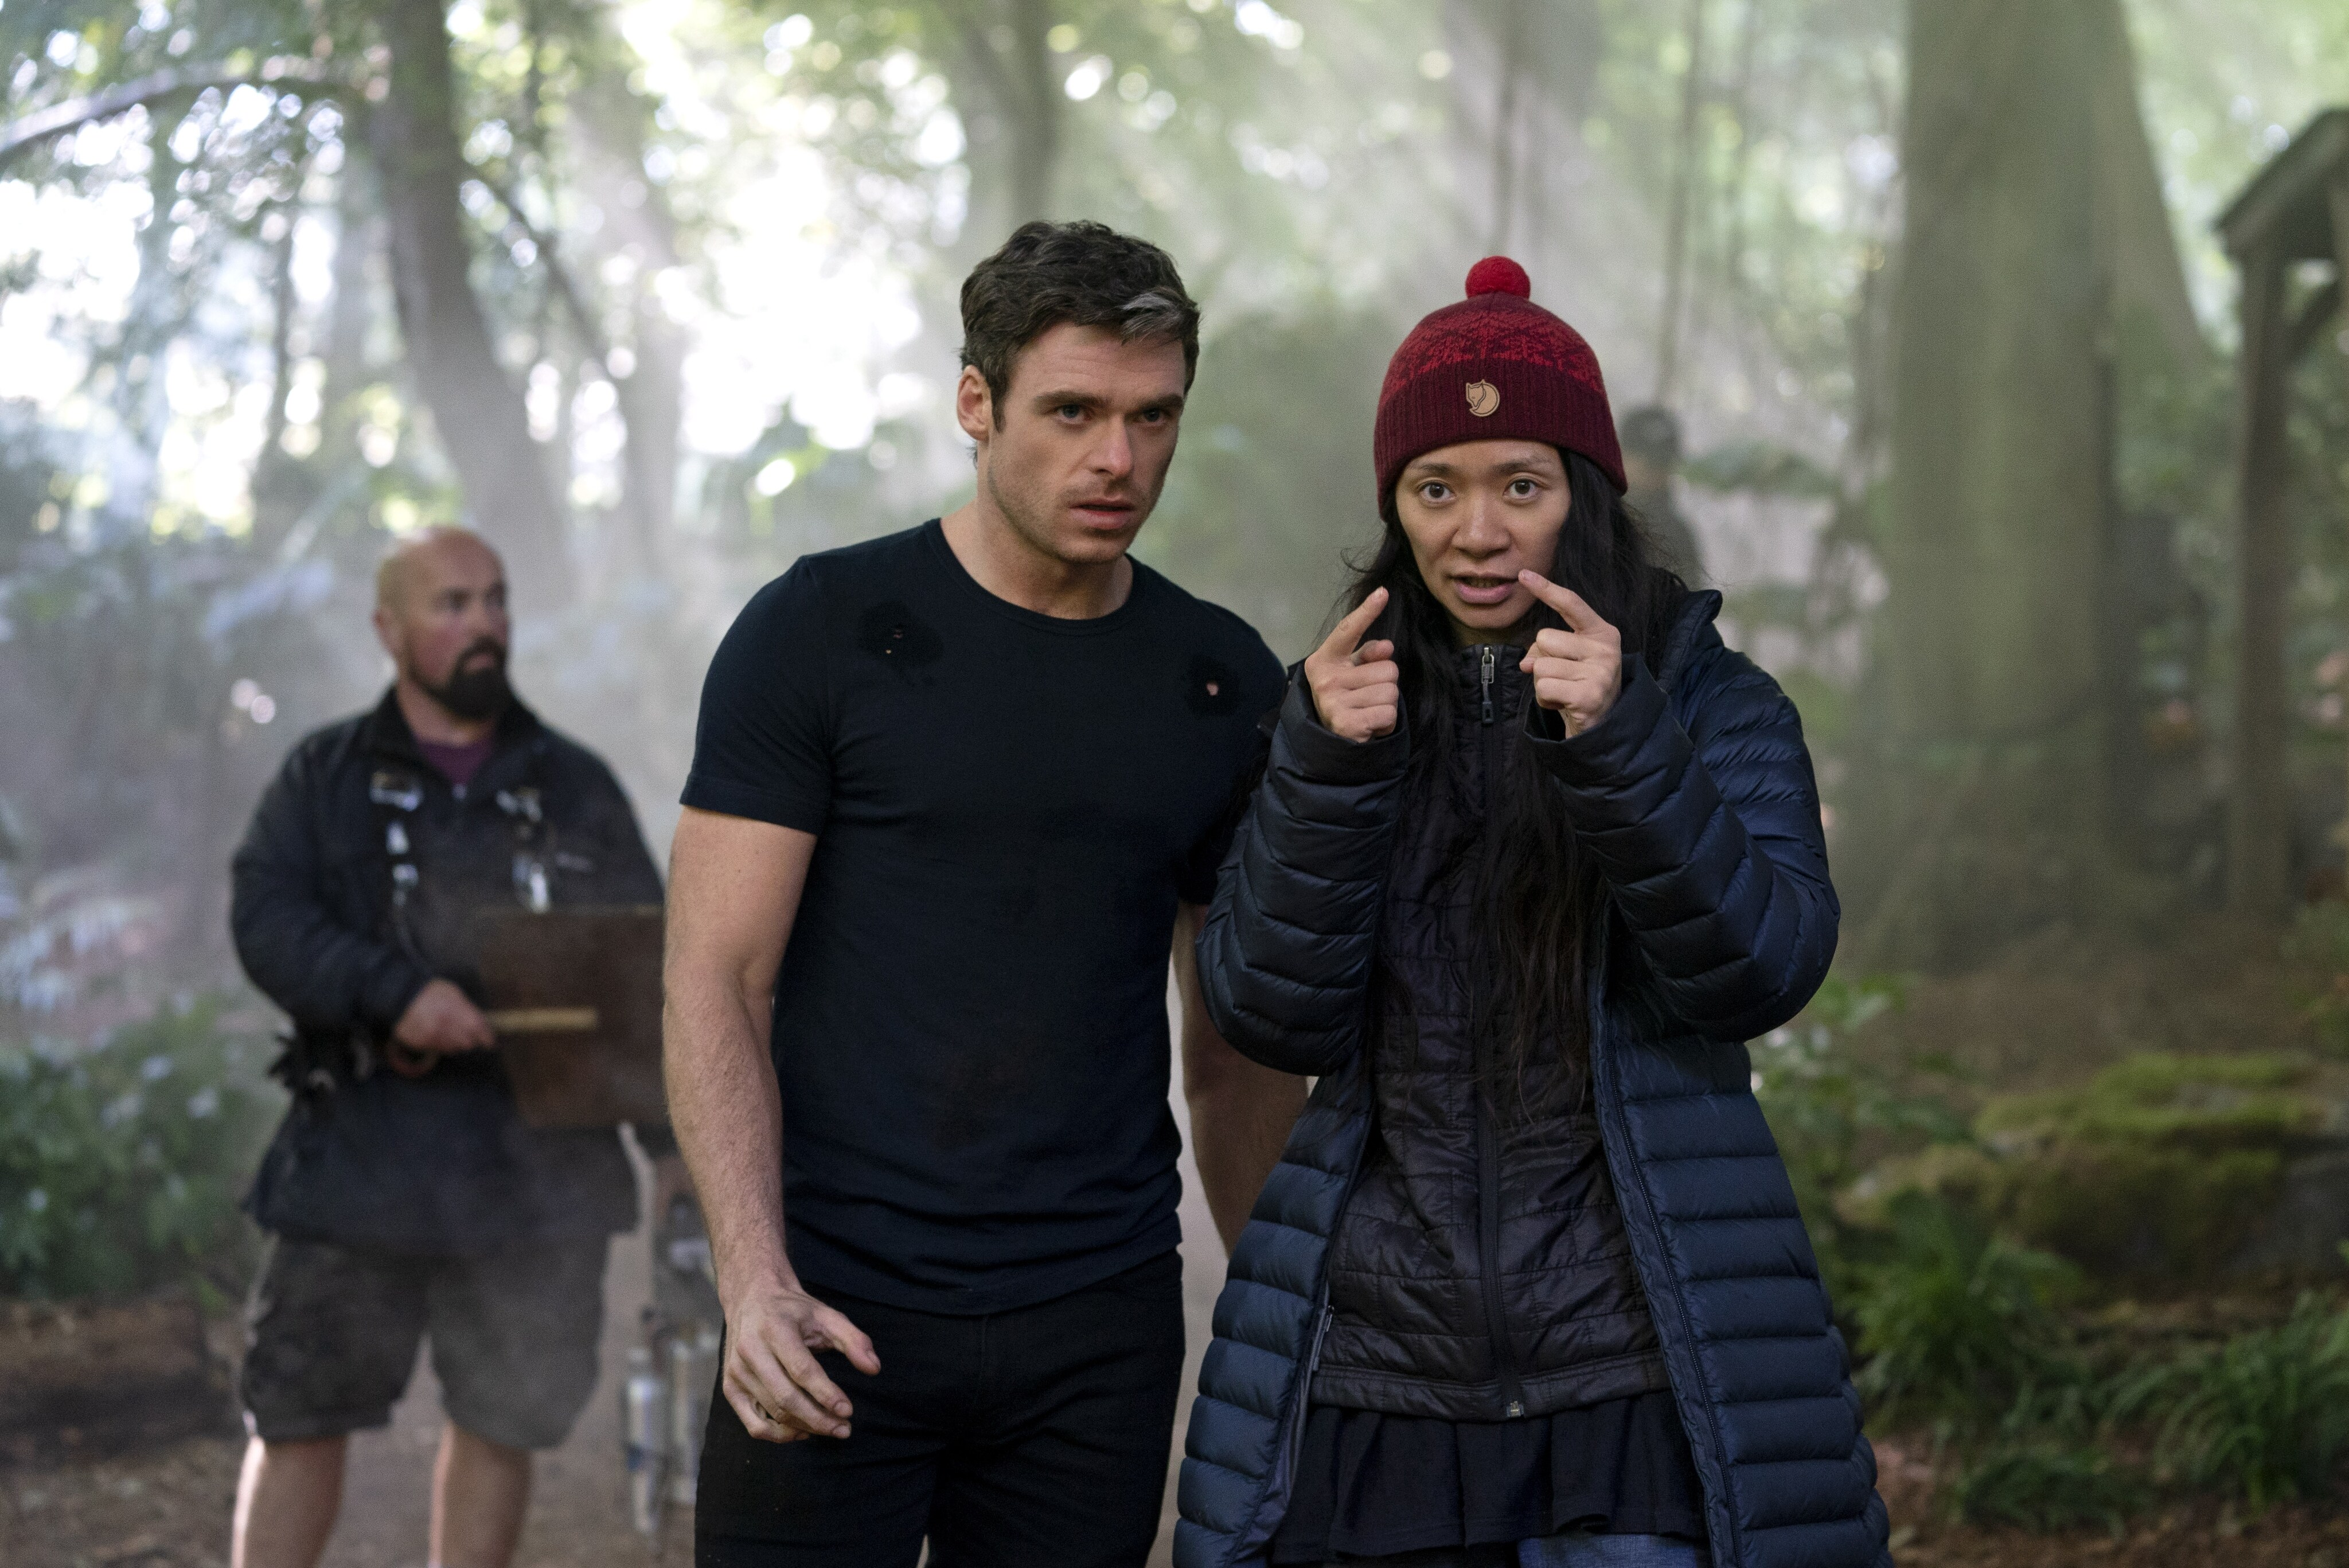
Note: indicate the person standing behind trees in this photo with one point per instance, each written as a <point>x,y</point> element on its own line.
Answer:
<point>1652,466</point>
<point>954,793</point>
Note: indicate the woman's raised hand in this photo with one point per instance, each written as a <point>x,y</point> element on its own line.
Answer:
<point>1579,672</point>
<point>1356,686</point>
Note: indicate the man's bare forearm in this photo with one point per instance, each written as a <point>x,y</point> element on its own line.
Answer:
<point>1237,1131</point>
<point>728,1117</point>
<point>734,891</point>
<point>1241,1111</point>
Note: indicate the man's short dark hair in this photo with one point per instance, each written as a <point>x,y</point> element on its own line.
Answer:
<point>1083,272</point>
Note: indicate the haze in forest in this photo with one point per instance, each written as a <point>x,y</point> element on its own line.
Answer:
<point>660,295</point>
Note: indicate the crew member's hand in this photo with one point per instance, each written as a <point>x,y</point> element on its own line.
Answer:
<point>772,1377</point>
<point>1356,686</point>
<point>441,1019</point>
<point>1579,672</point>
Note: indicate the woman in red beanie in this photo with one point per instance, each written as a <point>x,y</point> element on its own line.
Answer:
<point>1534,856</point>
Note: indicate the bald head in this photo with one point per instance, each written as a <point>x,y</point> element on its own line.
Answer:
<point>427,554</point>
<point>440,613</point>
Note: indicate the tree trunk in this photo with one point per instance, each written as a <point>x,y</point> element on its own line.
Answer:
<point>1009,95</point>
<point>2138,251</point>
<point>1982,819</point>
<point>279,485</point>
<point>357,240</point>
<point>1524,73</point>
<point>1507,130</point>
<point>153,318</point>
<point>610,122</point>
<point>1730,200</point>
<point>482,424</point>
<point>1685,159</point>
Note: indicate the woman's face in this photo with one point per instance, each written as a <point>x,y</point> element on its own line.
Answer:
<point>1476,514</point>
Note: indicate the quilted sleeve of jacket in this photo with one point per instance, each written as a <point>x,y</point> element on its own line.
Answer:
<point>302,956</point>
<point>1709,837</point>
<point>1285,953</point>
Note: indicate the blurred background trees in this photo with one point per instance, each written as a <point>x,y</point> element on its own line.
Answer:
<point>661,293</point>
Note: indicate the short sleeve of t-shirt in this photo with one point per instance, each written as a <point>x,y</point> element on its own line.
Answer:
<point>1261,681</point>
<point>763,746</point>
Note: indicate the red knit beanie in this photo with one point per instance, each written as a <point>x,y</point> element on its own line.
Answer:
<point>1494,367</point>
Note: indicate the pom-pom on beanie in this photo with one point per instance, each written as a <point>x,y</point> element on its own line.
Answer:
<point>1494,367</point>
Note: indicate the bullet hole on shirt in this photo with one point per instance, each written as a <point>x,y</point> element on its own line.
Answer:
<point>891,631</point>
<point>1209,687</point>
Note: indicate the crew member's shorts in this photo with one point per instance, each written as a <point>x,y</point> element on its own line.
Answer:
<point>331,1335</point>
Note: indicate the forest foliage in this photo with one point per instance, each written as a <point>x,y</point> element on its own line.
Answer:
<point>301,275</point>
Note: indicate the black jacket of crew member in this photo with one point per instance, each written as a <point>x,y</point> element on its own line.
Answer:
<point>439,1164</point>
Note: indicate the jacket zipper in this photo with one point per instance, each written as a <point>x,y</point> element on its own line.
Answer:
<point>1488,1153</point>
<point>1293,1445</point>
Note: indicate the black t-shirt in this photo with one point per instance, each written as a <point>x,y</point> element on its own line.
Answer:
<point>970,1023</point>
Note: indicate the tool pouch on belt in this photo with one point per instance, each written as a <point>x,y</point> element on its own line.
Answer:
<point>312,1063</point>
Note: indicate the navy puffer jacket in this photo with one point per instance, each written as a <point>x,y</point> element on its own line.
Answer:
<point>1696,798</point>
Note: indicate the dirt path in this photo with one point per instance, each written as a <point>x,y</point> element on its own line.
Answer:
<point>169,1507</point>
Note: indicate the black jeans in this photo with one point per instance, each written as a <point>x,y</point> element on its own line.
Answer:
<point>1027,1438</point>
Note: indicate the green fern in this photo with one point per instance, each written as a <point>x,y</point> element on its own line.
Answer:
<point>1957,1321</point>
<point>2264,1417</point>
<point>2047,1486</point>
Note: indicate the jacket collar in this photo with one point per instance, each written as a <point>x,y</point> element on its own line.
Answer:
<point>385,732</point>
<point>1692,630</point>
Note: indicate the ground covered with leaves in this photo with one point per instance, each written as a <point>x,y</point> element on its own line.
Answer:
<point>169,1506</point>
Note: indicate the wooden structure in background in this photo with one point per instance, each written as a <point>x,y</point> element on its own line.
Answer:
<point>2296,210</point>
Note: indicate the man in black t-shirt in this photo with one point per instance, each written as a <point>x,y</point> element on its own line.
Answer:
<point>955,792</point>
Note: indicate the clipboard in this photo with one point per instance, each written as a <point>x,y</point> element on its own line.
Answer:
<point>575,997</point>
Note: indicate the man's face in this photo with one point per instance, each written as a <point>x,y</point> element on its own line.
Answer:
<point>1075,456</point>
<point>446,628</point>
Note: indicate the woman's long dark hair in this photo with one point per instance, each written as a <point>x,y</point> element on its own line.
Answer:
<point>1535,908</point>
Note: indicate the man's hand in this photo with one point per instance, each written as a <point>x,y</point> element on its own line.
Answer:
<point>772,1377</point>
<point>441,1019</point>
<point>1356,686</point>
<point>1579,672</point>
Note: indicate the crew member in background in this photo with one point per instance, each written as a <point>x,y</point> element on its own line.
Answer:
<point>404,1197</point>
<point>1651,462</point>
<point>956,793</point>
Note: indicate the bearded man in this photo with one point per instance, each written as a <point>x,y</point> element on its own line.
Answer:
<point>404,1197</point>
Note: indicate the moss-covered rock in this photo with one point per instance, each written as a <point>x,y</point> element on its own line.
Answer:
<point>2162,1169</point>
<point>2167,1102</point>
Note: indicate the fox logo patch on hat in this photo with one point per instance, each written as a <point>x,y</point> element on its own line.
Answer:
<point>1483,399</point>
